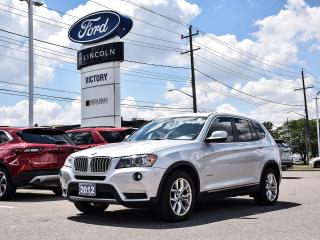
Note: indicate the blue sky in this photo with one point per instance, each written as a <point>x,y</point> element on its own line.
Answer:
<point>230,20</point>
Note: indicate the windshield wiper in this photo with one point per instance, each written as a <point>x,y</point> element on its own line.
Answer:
<point>157,139</point>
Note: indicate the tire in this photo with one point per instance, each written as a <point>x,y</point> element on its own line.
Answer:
<point>316,165</point>
<point>89,208</point>
<point>7,188</point>
<point>268,193</point>
<point>57,191</point>
<point>176,205</point>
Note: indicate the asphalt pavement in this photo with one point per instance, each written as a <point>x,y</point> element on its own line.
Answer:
<point>38,215</point>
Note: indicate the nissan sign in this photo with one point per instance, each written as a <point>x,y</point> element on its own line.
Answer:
<point>99,26</point>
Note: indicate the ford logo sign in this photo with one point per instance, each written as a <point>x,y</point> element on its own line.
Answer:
<point>99,26</point>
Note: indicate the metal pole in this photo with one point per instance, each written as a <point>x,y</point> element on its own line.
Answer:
<point>318,135</point>
<point>30,19</point>
<point>307,117</point>
<point>193,81</point>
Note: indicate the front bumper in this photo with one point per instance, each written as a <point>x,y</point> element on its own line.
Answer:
<point>117,186</point>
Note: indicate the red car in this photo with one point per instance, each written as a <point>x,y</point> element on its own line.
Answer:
<point>95,136</point>
<point>32,157</point>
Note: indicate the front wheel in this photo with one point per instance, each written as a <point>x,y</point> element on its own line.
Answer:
<point>178,197</point>
<point>269,189</point>
<point>87,207</point>
<point>7,188</point>
<point>317,165</point>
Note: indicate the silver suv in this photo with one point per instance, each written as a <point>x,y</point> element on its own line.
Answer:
<point>171,163</point>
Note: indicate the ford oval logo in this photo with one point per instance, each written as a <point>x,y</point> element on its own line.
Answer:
<point>99,26</point>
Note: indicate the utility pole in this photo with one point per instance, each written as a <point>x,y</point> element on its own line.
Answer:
<point>193,81</point>
<point>31,3</point>
<point>288,133</point>
<point>308,142</point>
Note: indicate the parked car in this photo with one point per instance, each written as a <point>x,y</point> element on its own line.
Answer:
<point>315,162</point>
<point>95,136</point>
<point>171,163</point>
<point>285,155</point>
<point>297,159</point>
<point>32,157</point>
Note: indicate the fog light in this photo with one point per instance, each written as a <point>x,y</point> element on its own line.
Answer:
<point>137,176</point>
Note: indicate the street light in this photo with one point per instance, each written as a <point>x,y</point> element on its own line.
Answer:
<point>31,3</point>
<point>171,90</point>
<point>318,134</point>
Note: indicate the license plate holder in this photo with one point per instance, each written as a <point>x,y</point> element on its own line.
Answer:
<point>87,189</point>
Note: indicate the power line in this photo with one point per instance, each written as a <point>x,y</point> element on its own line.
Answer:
<point>250,95</point>
<point>157,65</point>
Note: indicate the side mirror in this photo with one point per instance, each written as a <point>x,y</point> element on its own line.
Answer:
<point>217,136</point>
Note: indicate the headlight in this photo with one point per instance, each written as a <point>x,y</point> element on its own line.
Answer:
<point>145,160</point>
<point>68,162</point>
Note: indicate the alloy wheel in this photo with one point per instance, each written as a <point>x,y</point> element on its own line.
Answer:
<point>271,187</point>
<point>3,184</point>
<point>180,197</point>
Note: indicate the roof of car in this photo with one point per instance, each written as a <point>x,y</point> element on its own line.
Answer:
<point>88,129</point>
<point>23,128</point>
<point>209,114</point>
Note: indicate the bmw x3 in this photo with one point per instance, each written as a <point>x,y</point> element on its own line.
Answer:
<point>172,163</point>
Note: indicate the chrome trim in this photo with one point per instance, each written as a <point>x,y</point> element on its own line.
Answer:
<point>84,164</point>
<point>233,187</point>
<point>84,199</point>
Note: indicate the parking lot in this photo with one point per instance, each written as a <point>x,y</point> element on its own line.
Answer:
<point>41,215</point>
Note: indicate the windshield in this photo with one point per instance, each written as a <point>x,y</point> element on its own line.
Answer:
<point>180,128</point>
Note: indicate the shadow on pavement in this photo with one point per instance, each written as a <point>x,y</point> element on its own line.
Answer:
<point>35,196</point>
<point>207,212</point>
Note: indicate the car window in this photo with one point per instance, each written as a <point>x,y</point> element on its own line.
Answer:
<point>259,130</point>
<point>113,136</point>
<point>255,136</point>
<point>45,138</point>
<point>175,128</point>
<point>3,137</point>
<point>81,138</point>
<point>222,124</point>
<point>243,130</point>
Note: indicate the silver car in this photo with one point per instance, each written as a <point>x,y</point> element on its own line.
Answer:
<point>171,163</point>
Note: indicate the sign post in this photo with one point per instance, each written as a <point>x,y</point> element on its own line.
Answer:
<point>99,62</point>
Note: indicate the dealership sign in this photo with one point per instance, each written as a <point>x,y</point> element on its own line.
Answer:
<point>99,54</point>
<point>100,26</point>
<point>99,62</point>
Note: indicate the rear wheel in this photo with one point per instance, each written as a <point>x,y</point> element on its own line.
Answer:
<point>7,188</point>
<point>87,207</point>
<point>178,197</point>
<point>269,188</point>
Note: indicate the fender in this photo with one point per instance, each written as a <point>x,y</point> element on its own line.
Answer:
<point>268,163</point>
<point>172,168</point>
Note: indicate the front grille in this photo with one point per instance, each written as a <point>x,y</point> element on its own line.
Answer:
<point>97,164</point>
<point>81,164</point>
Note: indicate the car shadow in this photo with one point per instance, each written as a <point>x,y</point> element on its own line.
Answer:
<point>35,196</point>
<point>207,212</point>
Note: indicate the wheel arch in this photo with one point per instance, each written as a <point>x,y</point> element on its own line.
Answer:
<point>273,165</point>
<point>183,166</point>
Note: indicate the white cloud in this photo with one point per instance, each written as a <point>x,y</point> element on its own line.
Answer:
<point>277,39</point>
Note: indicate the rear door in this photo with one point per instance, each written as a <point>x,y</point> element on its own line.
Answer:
<point>46,148</point>
<point>249,151</point>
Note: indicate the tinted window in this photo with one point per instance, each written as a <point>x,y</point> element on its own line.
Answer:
<point>255,136</point>
<point>243,130</point>
<point>81,138</point>
<point>45,138</point>
<point>113,136</point>
<point>3,137</point>
<point>222,124</point>
<point>259,130</point>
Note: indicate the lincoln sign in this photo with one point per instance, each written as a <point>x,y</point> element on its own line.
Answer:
<point>99,62</point>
